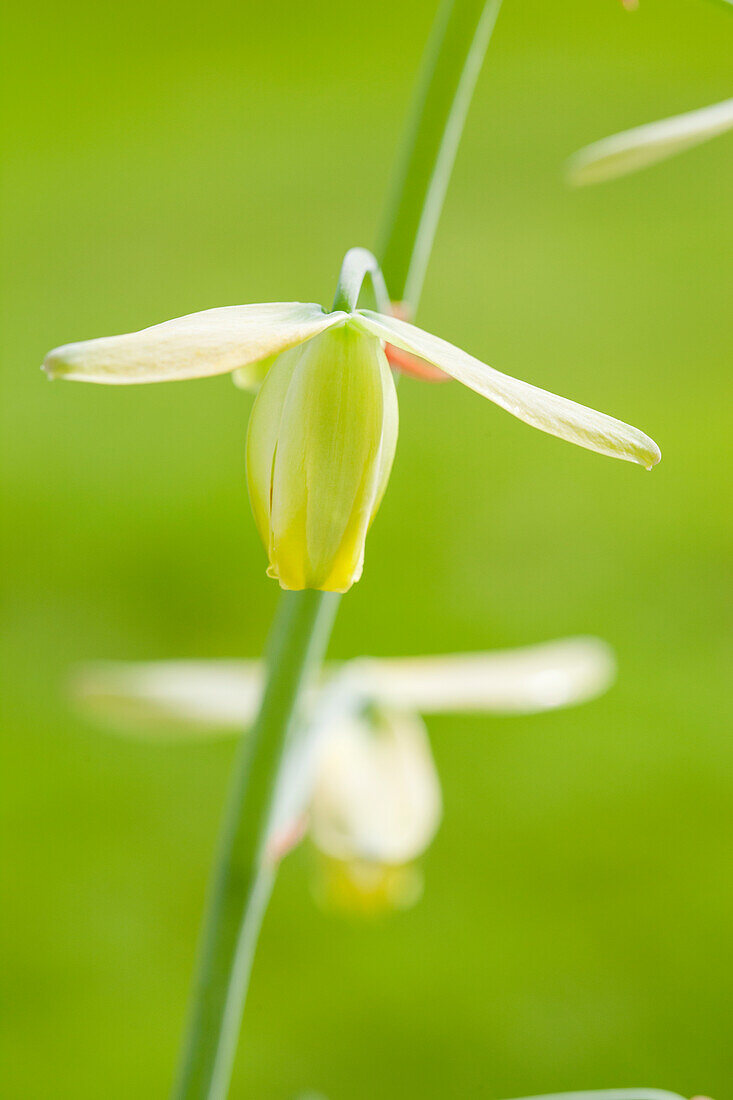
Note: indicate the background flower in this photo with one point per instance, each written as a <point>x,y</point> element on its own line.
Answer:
<point>644,145</point>
<point>359,777</point>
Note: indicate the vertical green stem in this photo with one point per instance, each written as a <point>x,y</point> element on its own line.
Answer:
<point>451,65</point>
<point>243,880</point>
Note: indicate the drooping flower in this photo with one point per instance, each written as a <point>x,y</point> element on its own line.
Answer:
<point>375,807</point>
<point>631,150</point>
<point>360,778</point>
<point>324,426</point>
<point>313,497</point>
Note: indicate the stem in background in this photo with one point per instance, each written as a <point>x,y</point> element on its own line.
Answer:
<point>453,59</point>
<point>242,880</point>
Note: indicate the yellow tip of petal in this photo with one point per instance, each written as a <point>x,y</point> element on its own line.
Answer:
<point>655,456</point>
<point>53,365</point>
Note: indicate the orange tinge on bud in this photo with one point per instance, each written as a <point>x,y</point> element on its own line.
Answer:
<point>411,364</point>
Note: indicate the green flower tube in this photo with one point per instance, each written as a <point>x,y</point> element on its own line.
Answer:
<point>320,446</point>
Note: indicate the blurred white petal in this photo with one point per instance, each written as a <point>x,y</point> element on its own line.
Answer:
<point>223,695</point>
<point>512,681</point>
<point>172,696</point>
<point>552,414</point>
<point>360,764</point>
<point>609,1094</point>
<point>633,149</point>
<point>377,795</point>
<point>215,341</point>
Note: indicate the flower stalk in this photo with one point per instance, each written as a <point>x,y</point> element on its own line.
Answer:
<point>358,266</point>
<point>244,877</point>
<point>453,59</point>
<point>242,880</point>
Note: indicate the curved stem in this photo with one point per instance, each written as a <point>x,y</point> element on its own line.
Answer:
<point>358,265</point>
<point>243,880</point>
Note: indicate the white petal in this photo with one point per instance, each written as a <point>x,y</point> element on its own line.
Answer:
<point>215,341</point>
<point>376,795</point>
<point>610,1094</point>
<point>543,410</point>
<point>172,697</point>
<point>512,681</point>
<point>634,149</point>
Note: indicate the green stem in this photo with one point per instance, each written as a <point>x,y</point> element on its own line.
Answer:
<point>243,879</point>
<point>358,265</point>
<point>452,63</point>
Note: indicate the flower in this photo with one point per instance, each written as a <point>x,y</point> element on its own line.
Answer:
<point>314,498</point>
<point>633,149</point>
<point>375,807</point>
<point>586,1094</point>
<point>360,778</point>
<point>323,428</point>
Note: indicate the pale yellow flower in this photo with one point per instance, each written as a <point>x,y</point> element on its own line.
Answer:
<point>360,778</point>
<point>323,428</point>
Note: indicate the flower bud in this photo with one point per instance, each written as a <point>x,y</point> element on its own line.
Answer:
<point>320,445</point>
<point>377,794</point>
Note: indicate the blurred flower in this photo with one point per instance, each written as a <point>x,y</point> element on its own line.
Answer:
<point>375,807</point>
<point>644,145</point>
<point>586,1094</point>
<point>360,778</point>
<point>610,1094</point>
<point>376,795</point>
<point>324,425</point>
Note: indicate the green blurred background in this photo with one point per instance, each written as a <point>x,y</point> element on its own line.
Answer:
<point>576,924</point>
